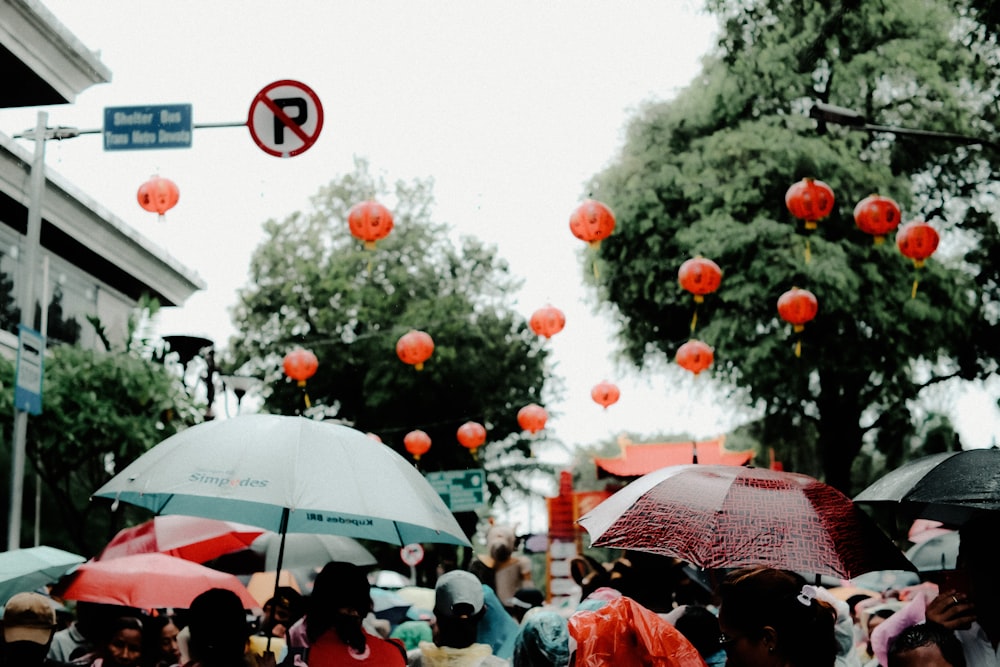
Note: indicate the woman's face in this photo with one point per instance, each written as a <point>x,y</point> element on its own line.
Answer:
<point>742,650</point>
<point>168,642</point>
<point>125,648</point>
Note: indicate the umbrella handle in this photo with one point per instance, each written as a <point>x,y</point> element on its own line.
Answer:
<point>282,530</point>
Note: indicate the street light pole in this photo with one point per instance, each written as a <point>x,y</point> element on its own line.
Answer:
<point>831,113</point>
<point>26,304</point>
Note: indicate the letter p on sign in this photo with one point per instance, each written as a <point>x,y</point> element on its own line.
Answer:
<point>285,118</point>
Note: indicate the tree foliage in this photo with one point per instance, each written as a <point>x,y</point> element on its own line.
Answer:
<point>101,410</point>
<point>313,285</point>
<point>706,173</point>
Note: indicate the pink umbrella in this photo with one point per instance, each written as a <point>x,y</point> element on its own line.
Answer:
<point>188,537</point>
<point>148,581</point>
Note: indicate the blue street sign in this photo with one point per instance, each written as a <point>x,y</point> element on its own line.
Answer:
<point>461,490</point>
<point>28,376</point>
<point>162,126</point>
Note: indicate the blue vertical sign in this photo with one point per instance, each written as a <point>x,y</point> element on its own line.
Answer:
<point>30,362</point>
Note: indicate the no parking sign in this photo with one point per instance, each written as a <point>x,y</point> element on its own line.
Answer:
<point>285,118</point>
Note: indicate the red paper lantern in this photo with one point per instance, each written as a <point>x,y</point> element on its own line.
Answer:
<point>417,443</point>
<point>592,222</point>
<point>797,306</point>
<point>414,348</point>
<point>370,222</point>
<point>918,241</point>
<point>547,321</point>
<point>158,195</point>
<point>695,356</point>
<point>532,418</point>
<point>472,436</point>
<point>700,276</point>
<point>877,215</point>
<point>300,365</point>
<point>605,393</point>
<point>809,200</point>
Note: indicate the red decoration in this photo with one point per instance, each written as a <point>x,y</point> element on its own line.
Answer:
<point>471,435</point>
<point>797,306</point>
<point>158,195</point>
<point>695,356</point>
<point>300,365</point>
<point>918,241</point>
<point>877,215</point>
<point>547,321</point>
<point>417,443</point>
<point>700,276</point>
<point>809,200</point>
<point>532,418</point>
<point>370,222</point>
<point>605,393</point>
<point>592,222</point>
<point>414,348</point>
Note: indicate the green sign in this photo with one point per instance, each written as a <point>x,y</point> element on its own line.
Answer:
<point>461,490</point>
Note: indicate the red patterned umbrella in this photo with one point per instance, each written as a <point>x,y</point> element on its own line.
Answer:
<point>719,516</point>
<point>188,537</point>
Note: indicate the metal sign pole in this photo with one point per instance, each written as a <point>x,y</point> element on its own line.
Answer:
<point>26,303</point>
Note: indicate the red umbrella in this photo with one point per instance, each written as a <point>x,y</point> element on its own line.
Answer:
<point>147,581</point>
<point>188,537</point>
<point>719,516</point>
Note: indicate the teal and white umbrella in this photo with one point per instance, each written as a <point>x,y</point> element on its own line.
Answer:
<point>25,570</point>
<point>288,475</point>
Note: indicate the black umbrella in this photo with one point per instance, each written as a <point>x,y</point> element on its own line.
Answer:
<point>949,487</point>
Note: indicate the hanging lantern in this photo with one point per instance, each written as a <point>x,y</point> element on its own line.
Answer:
<point>809,200</point>
<point>369,221</point>
<point>700,276</point>
<point>158,195</point>
<point>605,393</point>
<point>547,321</point>
<point>300,365</point>
<point>472,436</point>
<point>417,443</point>
<point>797,306</point>
<point>592,222</point>
<point>877,215</point>
<point>414,348</point>
<point>694,356</point>
<point>918,241</point>
<point>532,418</point>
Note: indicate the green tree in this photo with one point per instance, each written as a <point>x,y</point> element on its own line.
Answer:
<point>706,173</point>
<point>101,410</point>
<point>313,285</point>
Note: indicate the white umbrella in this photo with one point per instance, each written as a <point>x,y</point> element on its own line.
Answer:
<point>309,550</point>
<point>288,475</point>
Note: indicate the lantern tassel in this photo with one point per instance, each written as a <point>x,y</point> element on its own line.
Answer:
<point>798,348</point>
<point>694,320</point>
<point>308,402</point>
<point>808,252</point>
<point>913,290</point>
<point>595,270</point>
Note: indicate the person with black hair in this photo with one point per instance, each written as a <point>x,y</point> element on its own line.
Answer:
<point>340,600</point>
<point>772,618</point>
<point>121,645</point>
<point>218,630</point>
<point>700,627</point>
<point>162,646</point>
<point>926,645</point>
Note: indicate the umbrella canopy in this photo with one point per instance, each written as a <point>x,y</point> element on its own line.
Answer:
<point>719,516</point>
<point>948,487</point>
<point>23,570</point>
<point>263,584</point>
<point>936,553</point>
<point>310,550</point>
<point>147,581</point>
<point>188,537</point>
<point>288,474</point>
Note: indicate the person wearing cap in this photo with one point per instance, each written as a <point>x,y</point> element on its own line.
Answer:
<point>29,621</point>
<point>459,605</point>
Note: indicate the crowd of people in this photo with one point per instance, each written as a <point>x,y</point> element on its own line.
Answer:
<point>757,617</point>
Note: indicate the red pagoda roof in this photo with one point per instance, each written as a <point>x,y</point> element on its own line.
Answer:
<point>638,459</point>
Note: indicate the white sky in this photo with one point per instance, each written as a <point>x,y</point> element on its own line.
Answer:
<point>509,106</point>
